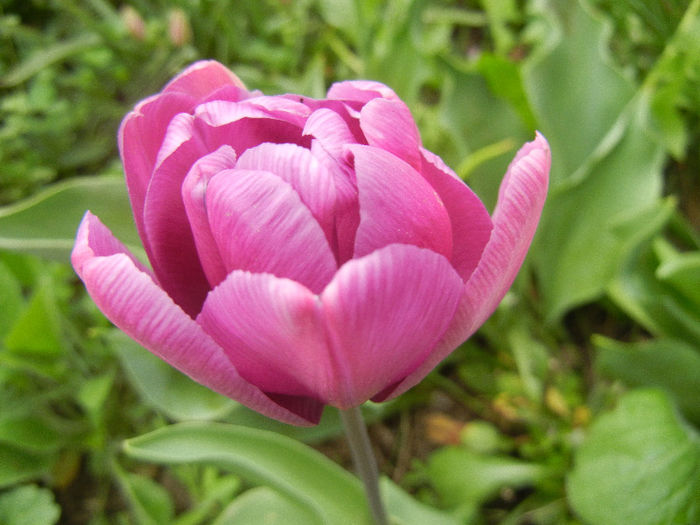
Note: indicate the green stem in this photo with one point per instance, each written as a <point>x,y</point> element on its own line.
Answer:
<point>363,457</point>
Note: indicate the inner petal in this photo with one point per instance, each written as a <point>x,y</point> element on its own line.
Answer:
<point>397,205</point>
<point>261,225</point>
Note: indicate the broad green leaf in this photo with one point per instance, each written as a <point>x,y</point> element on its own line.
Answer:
<point>576,94</point>
<point>665,363</point>
<point>639,465</point>
<point>45,224</point>
<point>405,510</point>
<point>27,505</point>
<point>651,302</point>
<point>578,250</point>
<point>465,478</point>
<point>266,458</point>
<point>265,506</point>
<point>606,166</point>
<point>164,387</point>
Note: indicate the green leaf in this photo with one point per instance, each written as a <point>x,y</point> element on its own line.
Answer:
<point>578,249</point>
<point>45,224</point>
<point>30,432</point>
<point>19,465</point>
<point>37,331</point>
<point>264,505</point>
<point>405,510</point>
<point>664,363</point>
<point>12,301</point>
<point>330,493</point>
<point>150,502</point>
<point>654,304</point>
<point>476,118</point>
<point>683,274</point>
<point>165,388</point>
<point>28,504</point>
<point>606,166</point>
<point>465,478</point>
<point>637,465</point>
<point>576,94</point>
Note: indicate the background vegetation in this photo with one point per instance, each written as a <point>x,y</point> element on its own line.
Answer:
<point>577,403</point>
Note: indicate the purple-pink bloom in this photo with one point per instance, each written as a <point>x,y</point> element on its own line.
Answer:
<point>304,252</point>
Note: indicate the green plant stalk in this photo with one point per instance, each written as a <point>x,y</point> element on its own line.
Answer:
<point>363,458</point>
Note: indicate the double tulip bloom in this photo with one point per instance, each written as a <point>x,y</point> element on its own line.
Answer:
<point>303,252</point>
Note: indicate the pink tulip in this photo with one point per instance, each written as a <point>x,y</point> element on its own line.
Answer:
<point>304,252</point>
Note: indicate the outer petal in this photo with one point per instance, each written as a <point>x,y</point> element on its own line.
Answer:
<point>140,136</point>
<point>171,247</point>
<point>194,190</point>
<point>309,178</point>
<point>471,223</point>
<point>520,201</point>
<point>261,225</point>
<point>384,313</point>
<point>388,125</point>
<point>202,78</point>
<point>397,205</point>
<point>272,330</point>
<point>132,301</point>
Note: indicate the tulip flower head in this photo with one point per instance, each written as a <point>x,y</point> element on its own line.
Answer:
<point>302,252</point>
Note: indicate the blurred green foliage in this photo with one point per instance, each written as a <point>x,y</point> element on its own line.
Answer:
<point>577,402</point>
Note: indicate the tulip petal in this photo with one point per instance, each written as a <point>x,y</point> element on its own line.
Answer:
<point>384,314</point>
<point>170,244</point>
<point>331,131</point>
<point>388,125</point>
<point>242,126</point>
<point>360,91</point>
<point>261,225</point>
<point>471,223</point>
<point>203,77</point>
<point>397,205</point>
<point>133,302</point>
<point>520,201</point>
<point>194,190</point>
<point>298,167</point>
<point>140,137</point>
<point>272,330</point>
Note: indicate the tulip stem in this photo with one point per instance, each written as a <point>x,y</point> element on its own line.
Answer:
<point>365,463</point>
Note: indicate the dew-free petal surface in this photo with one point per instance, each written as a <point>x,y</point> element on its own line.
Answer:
<point>140,136</point>
<point>273,332</point>
<point>521,198</point>
<point>133,302</point>
<point>389,125</point>
<point>384,313</point>
<point>397,205</point>
<point>360,91</point>
<point>194,189</point>
<point>470,220</point>
<point>261,225</point>
<point>309,178</point>
<point>203,77</point>
<point>170,243</point>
